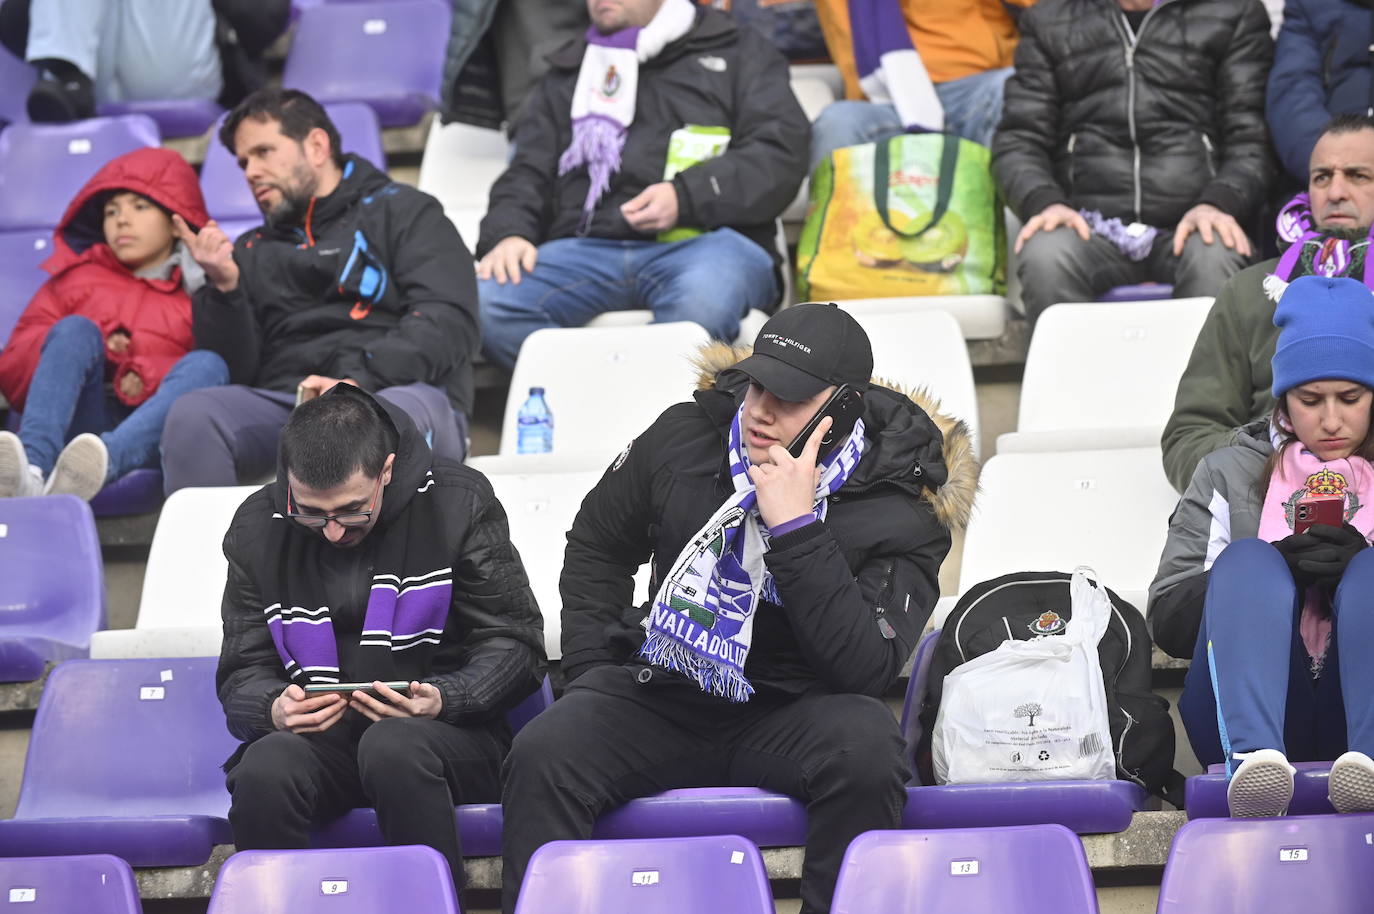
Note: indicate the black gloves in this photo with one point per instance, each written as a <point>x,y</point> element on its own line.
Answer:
<point>1319,555</point>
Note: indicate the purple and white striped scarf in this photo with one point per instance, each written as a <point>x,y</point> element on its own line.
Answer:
<point>889,65</point>
<point>1332,257</point>
<point>407,605</point>
<point>702,620</point>
<point>603,105</point>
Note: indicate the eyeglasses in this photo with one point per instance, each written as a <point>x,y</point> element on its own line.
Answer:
<point>347,519</point>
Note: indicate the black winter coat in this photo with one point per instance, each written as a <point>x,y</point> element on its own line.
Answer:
<point>857,588</point>
<point>1137,126</point>
<point>375,286</point>
<point>717,75</point>
<point>491,652</point>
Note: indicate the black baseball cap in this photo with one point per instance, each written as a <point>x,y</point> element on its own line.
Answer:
<point>806,348</point>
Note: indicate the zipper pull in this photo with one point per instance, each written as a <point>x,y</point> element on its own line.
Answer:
<point>1130,56</point>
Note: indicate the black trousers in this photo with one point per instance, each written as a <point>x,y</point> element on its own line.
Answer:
<point>413,771</point>
<point>621,732</point>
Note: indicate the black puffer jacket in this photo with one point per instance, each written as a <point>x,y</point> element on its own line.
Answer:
<point>491,652</point>
<point>875,557</point>
<point>375,286</point>
<point>717,75</point>
<point>1138,126</point>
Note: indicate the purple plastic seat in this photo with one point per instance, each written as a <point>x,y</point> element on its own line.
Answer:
<point>52,586</point>
<point>173,116</point>
<point>1033,869</point>
<point>389,55</point>
<point>1204,795</point>
<point>1293,863</point>
<point>21,253</point>
<point>348,881</point>
<point>42,166</point>
<point>227,197</point>
<point>93,884</point>
<point>136,492</point>
<point>125,759</point>
<point>718,873</point>
<point>1145,291</point>
<point>16,79</point>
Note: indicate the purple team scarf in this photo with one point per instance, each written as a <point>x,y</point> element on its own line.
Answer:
<point>1298,228</point>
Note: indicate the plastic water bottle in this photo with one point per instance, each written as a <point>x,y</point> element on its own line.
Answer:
<point>534,434</point>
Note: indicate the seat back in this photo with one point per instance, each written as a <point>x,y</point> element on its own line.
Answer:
<point>52,583</point>
<point>1108,510</point>
<point>91,884</point>
<point>980,317</point>
<point>127,738</point>
<point>16,79</point>
<point>357,880</point>
<point>651,876</point>
<point>42,166</point>
<point>1027,869</point>
<point>1108,365</point>
<point>1295,863</point>
<point>227,197</point>
<point>604,385</point>
<point>21,252</point>
<point>387,54</point>
<point>531,707</point>
<point>460,165</point>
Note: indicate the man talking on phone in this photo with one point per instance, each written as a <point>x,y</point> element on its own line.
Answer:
<point>788,589</point>
<point>373,563</point>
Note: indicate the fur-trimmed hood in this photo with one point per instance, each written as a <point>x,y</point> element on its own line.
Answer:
<point>951,498</point>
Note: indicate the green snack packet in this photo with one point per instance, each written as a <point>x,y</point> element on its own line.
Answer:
<point>687,146</point>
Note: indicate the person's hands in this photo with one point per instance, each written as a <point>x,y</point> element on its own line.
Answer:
<point>424,701</point>
<point>1325,562</point>
<point>654,209</point>
<point>504,262</point>
<point>131,385</point>
<point>117,342</point>
<point>1294,548</point>
<point>292,710</point>
<point>317,385</point>
<point>786,488</point>
<point>213,250</point>
<point>1051,218</point>
<point>1211,223</point>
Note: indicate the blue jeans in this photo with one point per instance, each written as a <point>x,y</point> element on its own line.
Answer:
<point>1252,690</point>
<point>67,397</point>
<point>973,107</point>
<point>713,279</point>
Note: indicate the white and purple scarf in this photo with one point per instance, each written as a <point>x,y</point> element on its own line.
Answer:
<point>889,65</point>
<point>603,105</point>
<point>1310,251</point>
<point>702,620</point>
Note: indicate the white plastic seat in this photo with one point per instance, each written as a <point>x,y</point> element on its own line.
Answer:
<point>183,584</point>
<point>460,164</point>
<point>749,325</point>
<point>980,317</point>
<point>1104,374</point>
<point>604,385</point>
<point>813,93</point>
<point>1054,511</point>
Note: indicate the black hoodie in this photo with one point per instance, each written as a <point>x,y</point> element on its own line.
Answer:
<point>491,652</point>
<point>375,286</point>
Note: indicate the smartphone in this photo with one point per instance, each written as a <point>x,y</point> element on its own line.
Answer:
<point>348,688</point>
<point>1318,509</point>
<point>304,393</point>
<point>844,407</point>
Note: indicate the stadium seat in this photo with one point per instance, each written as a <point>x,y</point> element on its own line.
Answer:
<point>1291,863</point>
<point>656,876</point>
<point>173,116</point>
<point>16,79</point>
<point>1205,794</point>
<point>1145,291</point>
<point>813,94</point>
<point>1104,375</point>
<point>52,585</point>
<point>387,55</point>
<point>1031,869</point>
<point>604,385</point>
<point>93,884</point>
<point>749,325</point>
<point>980,317</point>
<point>21,253</point>
<point>1054,511</point>
<point>227,197</point>
<point>42,166</point>
<point>461,162</point>
<point>125,759</point>
<point>136,492</point>
<point>348,881</point>
<point>183,582</point>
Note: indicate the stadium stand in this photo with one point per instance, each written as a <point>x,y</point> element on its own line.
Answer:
<point>91,884</point>
<point>21,252</point>
<point>1205,794</point>
<point>16,79</point>
<point>461,163</point>
<point>980,317</point>
<point>173,116</point>
<point>348,881</point>
<point>52,586</point>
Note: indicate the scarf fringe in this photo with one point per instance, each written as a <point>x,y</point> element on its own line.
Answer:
<point>597,142</point>
<point>662,651</point>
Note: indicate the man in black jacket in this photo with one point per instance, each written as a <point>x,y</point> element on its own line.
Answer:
<point>353,277</point>
<point>650,165</point>
<point>1133,144</point>
<point>789,593</point>
<point>369,560</point>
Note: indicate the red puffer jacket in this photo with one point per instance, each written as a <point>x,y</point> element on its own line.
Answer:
<point>87,279</point>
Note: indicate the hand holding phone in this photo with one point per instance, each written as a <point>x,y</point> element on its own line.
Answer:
<point>346,689</point>
<point>419,699</point>
<point>1318,509</point>
<point>843,407</point>
<point>298,712</point>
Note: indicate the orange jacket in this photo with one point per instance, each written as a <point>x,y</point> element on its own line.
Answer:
<point>955,38</point>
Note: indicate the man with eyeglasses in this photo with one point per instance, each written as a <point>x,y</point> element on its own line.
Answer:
<point>370,561</point>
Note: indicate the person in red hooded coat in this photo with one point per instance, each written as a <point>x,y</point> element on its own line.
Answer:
<point>105,346</point>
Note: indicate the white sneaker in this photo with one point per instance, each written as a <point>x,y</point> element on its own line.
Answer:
<point>80,468</point>
<point>1351,786</point>
<point>1262,785</point>
<point>17,478</point>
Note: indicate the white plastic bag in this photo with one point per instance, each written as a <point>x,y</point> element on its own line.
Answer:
<point>1031,710</point>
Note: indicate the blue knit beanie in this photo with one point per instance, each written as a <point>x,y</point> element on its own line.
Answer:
<point>1326,330</point>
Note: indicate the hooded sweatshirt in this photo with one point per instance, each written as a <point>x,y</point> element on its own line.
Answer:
<point>87,279</point>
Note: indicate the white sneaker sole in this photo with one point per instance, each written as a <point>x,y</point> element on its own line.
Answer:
<point>80,468</point>
<point>1261,787</point>
<point>1351,786</point>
